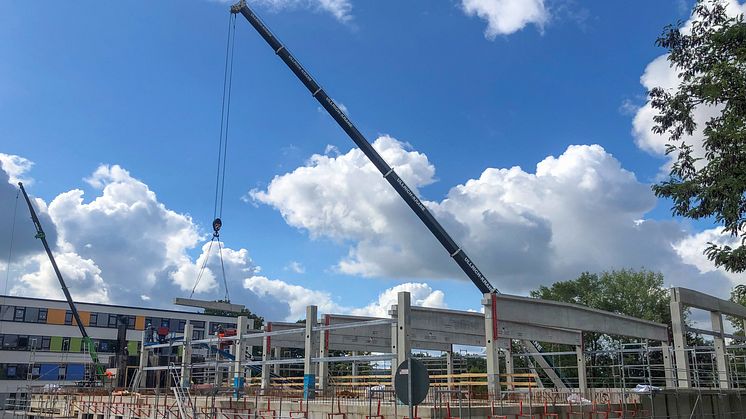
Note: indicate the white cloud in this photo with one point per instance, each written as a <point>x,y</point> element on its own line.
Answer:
<point>506,16</point>
<point>421,295</point>
<point>296,267</point>
<point>691,249</point>
<point>580,211</point>
<point>340,9</point>
<point>295,296</point>
<point>82,277</point>
<point>16,167</point>
<point>659,73</point>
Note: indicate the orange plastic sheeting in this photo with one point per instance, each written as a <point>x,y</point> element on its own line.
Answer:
<point>55,316</point>
<point>139,323</point>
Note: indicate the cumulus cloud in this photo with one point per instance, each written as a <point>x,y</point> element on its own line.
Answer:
<point>297,297</point>
<point>580,211</point>
<point>82,277</point>
<point>421,293</point>
<point>659,73</point>
<point>15,219</point>
<point>16,167</point>
<point>106,257</point>
<point>506,16</point>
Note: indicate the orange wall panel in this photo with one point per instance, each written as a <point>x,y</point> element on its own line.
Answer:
<point>85,317</point>
<point>139,323</point>
<point>55,316</point>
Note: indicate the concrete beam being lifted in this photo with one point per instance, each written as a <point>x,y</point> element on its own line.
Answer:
<point>211,305</point>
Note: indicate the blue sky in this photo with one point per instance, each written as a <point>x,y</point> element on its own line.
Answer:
<point>139,86</point>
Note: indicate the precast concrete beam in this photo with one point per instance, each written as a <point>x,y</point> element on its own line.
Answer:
<point>575,317</point>
<point>211,305</point>
<point>696,299</point>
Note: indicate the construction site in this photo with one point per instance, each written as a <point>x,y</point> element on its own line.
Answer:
<point>418,362</point>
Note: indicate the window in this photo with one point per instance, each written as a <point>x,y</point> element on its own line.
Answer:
<point>130,322</point>
<point>10,342</point>
<point>112,321</point>
<point>94,319</point>
<point>68,317</point>
<point>164,322</point>
<point>23,342</point>
<point>45,342</point>
<point>62,372</point>
<point>198,324</point>
<point>42,316</point>
<point>20,313</point>
<point>198,334</point>
<point>65,344</point>
<point>11,371</point>
<point>182,325</point>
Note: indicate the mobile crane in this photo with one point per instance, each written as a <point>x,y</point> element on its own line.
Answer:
<point>455,251</point>
<point>432,224</point>
<point>87,341</point>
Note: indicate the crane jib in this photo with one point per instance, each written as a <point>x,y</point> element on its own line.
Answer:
<point>406,193</point>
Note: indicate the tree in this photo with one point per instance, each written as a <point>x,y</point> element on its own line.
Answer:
<point>639,294</point>
<point>710,59</point>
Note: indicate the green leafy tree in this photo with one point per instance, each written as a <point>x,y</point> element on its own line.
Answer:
<point>634,293</point>
<point>710,59</point>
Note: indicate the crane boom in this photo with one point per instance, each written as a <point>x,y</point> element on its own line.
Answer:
<point>87,341</point>
<point>454,250</point>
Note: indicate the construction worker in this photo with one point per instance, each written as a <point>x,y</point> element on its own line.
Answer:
<point>149,333</point>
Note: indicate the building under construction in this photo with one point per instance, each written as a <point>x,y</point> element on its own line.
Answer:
<point>519,357</point>
<point>340,366</point>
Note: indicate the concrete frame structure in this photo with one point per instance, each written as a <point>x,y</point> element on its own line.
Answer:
<point>681,299</point>
<point>506,319</point>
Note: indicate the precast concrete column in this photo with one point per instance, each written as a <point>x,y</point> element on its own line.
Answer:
<point>354,369</point>
<point>323,367</point>
<point>403,326</point>
<point>582,370</point>
<point>679,343</point>
<point>311,349</point>
<point>277,355</point>
<point>722,365</point>
<point>266,350</point>
<point>507,346</point>
<point>668,366</point>
<point>143,361</point>
<point>491,345</point>
<point>394,334</point>
<point>186,356</point>
<point>449,367</point>
<point>242,326</point>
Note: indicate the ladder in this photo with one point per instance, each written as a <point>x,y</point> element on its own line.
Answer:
<point>183,398</point>
<point>135,384</point>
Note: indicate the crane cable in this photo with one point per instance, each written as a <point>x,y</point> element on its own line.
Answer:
<point>225,112</point>
<point>10,251</point>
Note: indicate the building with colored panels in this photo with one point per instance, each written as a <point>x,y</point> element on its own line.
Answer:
<point>40,342</point>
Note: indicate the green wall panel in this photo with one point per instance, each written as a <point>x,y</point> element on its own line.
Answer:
<point>133,346</point>
<point>75,344</point>
<point>55,344</point>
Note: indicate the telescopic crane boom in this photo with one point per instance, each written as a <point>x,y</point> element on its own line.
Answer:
<point>456,252</point>
<point>87,341</point>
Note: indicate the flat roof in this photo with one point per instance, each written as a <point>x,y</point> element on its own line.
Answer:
<point>17,297</point>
